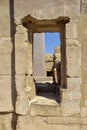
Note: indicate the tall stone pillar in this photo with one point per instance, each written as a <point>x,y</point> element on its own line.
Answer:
<point>39,55</point>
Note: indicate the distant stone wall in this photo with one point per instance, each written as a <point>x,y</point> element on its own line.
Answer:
<point>49,62</point>
<point>50,59</point>
<point>18,107</point>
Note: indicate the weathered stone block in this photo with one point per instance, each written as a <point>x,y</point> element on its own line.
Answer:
<point>5,55</point>
<point>4,18</point>
<point>5,94</point>
<point>82,36</point>
<point>74,84</point>
<point>6,122</point>
<point>84,8</point>
<point>21,30</point>
<point>49,66</point>
<point>44,109</point>
<point>5,28</point>
<point>22,98</point>
<point>73,57</point>
<point>56,9</point>
<point>84,112</point>
<point>0,122</point>
<point>30,87</point>
<point>71,30</point>
<point>83,121</point>
<point>22,106</point>
<point>84,1</point>
<point>57,56</point>
<point>72,9</point>
<point>29,60</point>
<point>38,123</point>
<point>38,11</point>
<point>64,127</point>
<point>84,127</point>
<point>63,120</point>
<point>67,120</point>
<point>85,103</point>
<point>49,57</point>
<point>70,102</point>
<point>20,54</point>
<point>34,123</point>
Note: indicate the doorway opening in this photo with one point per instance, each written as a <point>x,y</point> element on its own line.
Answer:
<point>52,52</point>
<point>46,59</point>
<point>47,81</point>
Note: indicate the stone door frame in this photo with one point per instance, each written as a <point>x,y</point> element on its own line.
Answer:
<point>55,25</point>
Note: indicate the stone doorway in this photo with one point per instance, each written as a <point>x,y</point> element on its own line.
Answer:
<point>46,67</point>
<point>39,74</point>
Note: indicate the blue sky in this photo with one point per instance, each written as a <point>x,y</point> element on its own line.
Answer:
<point>51,41</point>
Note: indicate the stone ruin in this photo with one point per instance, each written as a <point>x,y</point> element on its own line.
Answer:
<point>61,106</point>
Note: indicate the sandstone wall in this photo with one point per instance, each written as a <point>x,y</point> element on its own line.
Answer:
<point>82,36</point>
<point>16,81</point>
<point>6,104</point>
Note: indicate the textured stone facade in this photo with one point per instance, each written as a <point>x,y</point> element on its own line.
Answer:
<point>20,108</point>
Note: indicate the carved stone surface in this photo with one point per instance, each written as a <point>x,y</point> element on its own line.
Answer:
<point>4,19</point>
<point>21,54</point>
<point>74,83</point>
<point>5,94</point>
<point>49,66</point>
<point>5,56</point>
<point>38,123</point>
<point>6,122</point>
<point>67,120</point>
<point>71,30</point>
<point>84,7</point>
<point>40,12</point>
<point>82,36</point>
<point>30,87</point>
<point>73,57</point>
<point>44,107</point>
<point>71,102</point>
<point>22,98</point>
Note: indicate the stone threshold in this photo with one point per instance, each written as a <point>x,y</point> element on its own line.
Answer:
<point>44,79</point>
<point>44,106</point>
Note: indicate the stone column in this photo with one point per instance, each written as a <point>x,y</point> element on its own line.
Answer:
<point>38,55</point>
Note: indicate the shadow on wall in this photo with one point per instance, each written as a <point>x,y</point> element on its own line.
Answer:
<point>13,87</point>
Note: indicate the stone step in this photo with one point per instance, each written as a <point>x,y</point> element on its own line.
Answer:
<point>44,79</point>
<point>42,106</point>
